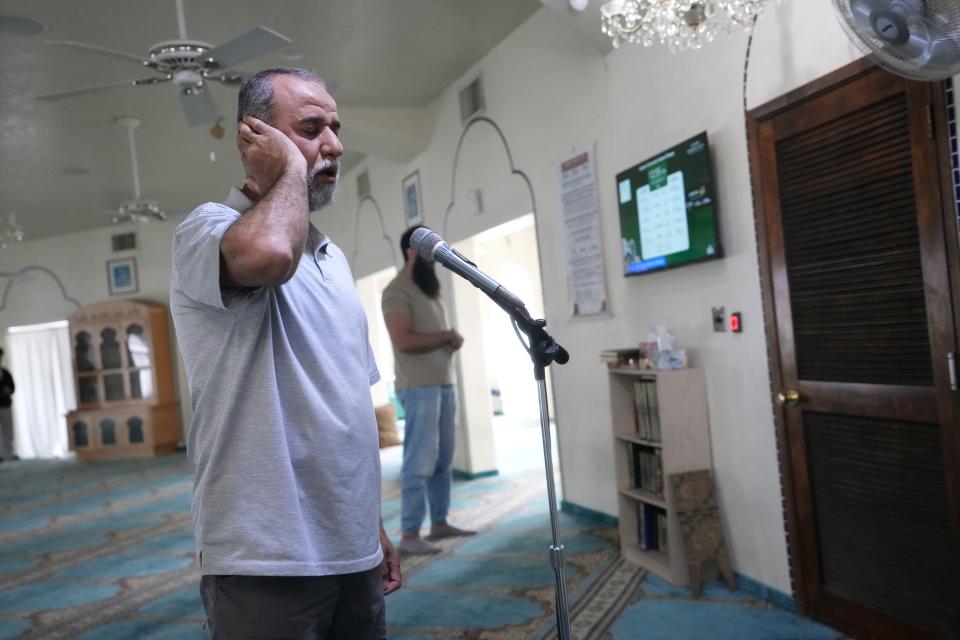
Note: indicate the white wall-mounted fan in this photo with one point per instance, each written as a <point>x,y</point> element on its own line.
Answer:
<point>918,39</point>
<point>188,64</point>
<point>139,209</point>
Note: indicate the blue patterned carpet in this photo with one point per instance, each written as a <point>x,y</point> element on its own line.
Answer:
<point>105,552</point>
<point>97,551</point>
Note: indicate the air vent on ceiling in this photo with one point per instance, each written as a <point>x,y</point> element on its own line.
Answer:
<point>471,100</point>
<point>124,241</point>
<point>363,185</point>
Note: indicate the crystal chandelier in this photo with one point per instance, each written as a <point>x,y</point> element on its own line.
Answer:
<point>10,232</point>
<point>681,24</point>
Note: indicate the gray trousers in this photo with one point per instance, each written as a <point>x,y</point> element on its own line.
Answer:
<point>6,432</point>
<point>343,607</point>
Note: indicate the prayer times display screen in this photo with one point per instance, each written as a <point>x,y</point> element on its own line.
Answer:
<point>668,214</point>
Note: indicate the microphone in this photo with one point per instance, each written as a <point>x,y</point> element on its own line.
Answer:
<point>544,349</point>
<point>430,246</point>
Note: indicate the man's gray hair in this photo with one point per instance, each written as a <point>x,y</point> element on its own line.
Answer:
<point>256,92</point>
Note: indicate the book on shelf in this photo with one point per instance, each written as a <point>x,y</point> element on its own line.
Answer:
<point>640,528</point>
<point>639,409</point>
<point>646,410</point>
<point>647,468</point>
<point>651,527</point>
<point>655,434</point>
<point>646,474</point>
<point>636,472</point>
<point>657,480</point>
<point>645,392</point>
<point>639,466</point>
<point>655,462</point>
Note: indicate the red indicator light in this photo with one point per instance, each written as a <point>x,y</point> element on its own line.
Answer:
<point>735,325</point>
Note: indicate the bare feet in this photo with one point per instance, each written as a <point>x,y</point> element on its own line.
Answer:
<point>440,530</point>
<point>417,546</point>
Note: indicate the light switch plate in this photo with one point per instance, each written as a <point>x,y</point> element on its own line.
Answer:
<point>719,320</point>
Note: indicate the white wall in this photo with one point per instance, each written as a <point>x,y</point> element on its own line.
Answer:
<point>551,91</point>
<point>371,289</point>
<point>350,219</point>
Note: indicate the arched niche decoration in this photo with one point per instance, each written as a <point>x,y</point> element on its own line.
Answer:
<point>12,279</point>
<point>488,122</point>
<point>476,125</point>
<point>368,199</point>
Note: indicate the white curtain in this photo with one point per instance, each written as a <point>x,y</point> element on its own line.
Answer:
<point>38,357</point>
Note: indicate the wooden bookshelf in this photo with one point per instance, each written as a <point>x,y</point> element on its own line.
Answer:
<point>123,369</point>
<point>672,435</point>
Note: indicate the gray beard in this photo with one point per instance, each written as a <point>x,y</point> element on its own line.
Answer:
<point>321,194</point>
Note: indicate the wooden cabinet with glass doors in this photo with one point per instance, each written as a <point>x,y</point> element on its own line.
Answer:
<point>126,400</point>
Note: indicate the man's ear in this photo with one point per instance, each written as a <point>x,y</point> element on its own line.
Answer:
<point>411,254</point>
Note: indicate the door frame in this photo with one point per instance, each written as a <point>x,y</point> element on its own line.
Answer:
<point>803,572</point>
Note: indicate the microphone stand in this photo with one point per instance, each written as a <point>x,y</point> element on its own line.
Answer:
<point>543,351</point>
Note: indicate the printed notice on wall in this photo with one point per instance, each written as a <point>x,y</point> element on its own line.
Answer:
<point>586,280</point>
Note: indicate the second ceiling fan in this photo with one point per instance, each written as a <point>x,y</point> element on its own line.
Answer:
<point>139,209</point>
<point>188,64</point>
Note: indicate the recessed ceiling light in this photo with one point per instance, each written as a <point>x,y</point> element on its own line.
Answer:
<point>293,56</point>
<point>15,25</point>
<point>75,171</point>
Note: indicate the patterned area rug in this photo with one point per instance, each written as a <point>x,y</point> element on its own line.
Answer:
<point>97,551</point>
<point>500,584</point>
<point>104,551</point>
<point>659,611</point>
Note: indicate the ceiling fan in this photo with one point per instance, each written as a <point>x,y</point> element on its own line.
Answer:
<point>11,231</point>
<point>189,64</point>
<point>139,209</point>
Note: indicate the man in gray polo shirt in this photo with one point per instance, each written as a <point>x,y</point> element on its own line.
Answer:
<point>286,500</point>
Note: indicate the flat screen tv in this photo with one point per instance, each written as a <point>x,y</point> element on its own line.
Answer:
<point>668,211</point>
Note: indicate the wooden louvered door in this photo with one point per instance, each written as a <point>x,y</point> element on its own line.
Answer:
<point>861,324</point>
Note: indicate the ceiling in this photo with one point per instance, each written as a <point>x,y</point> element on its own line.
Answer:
<point>64,163</point>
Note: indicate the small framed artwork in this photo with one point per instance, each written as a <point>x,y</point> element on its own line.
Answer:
<point>122,276</point>
<point>412,202</point>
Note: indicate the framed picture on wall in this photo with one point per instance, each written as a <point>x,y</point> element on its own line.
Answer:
<point>412,201</point>
<point>122,276</point>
